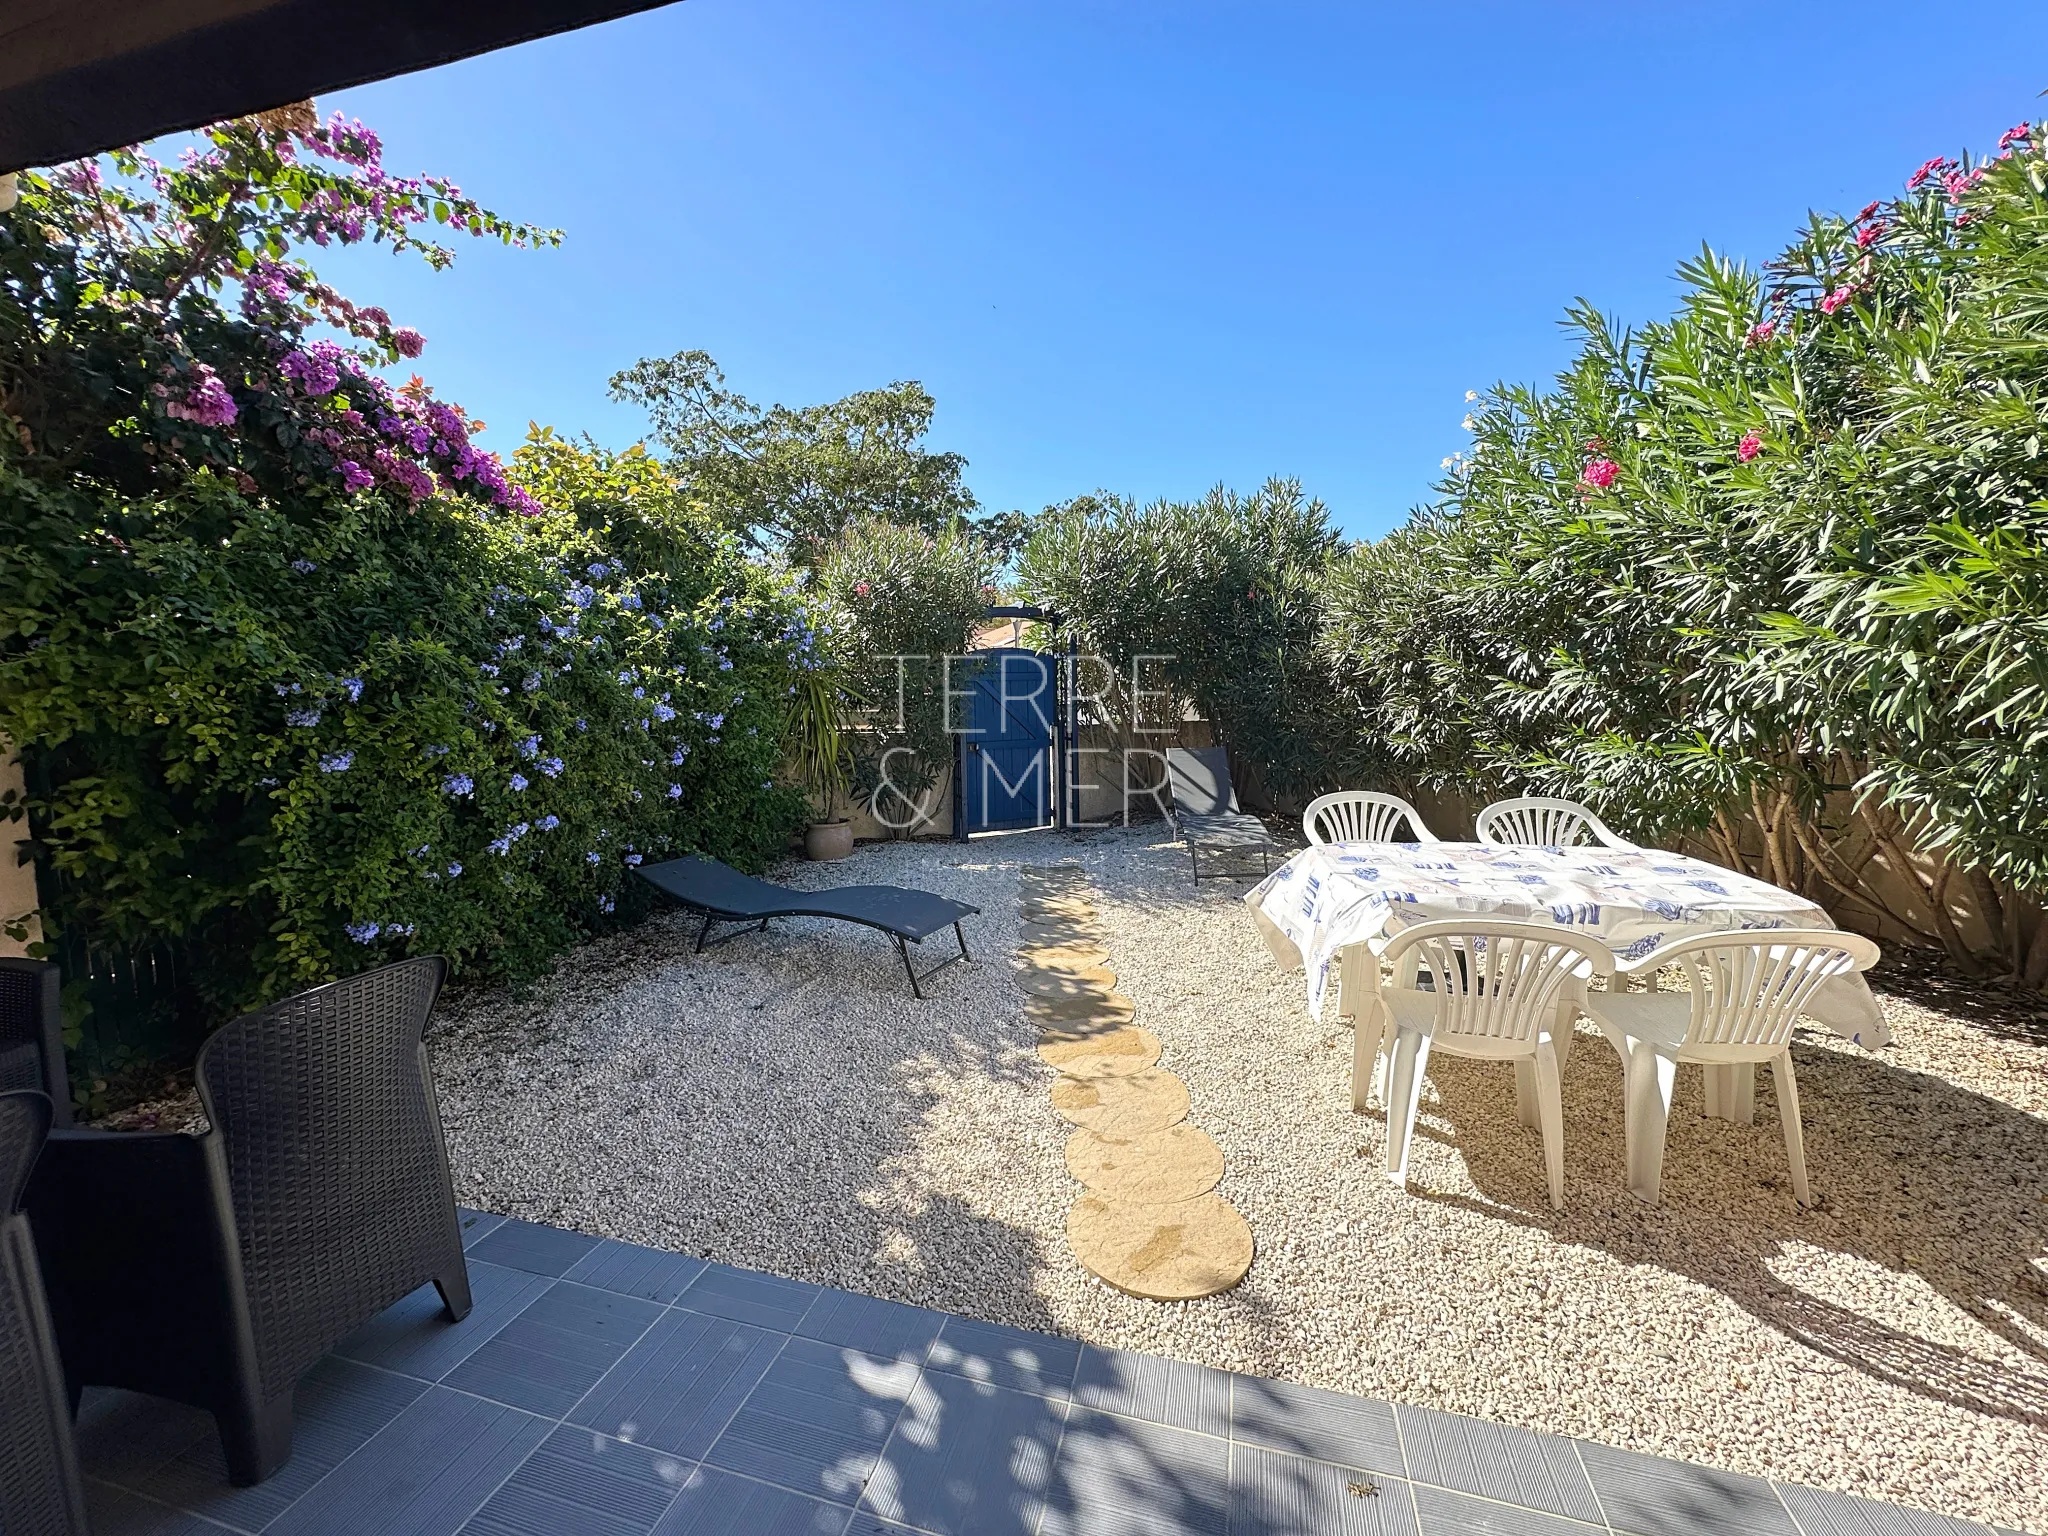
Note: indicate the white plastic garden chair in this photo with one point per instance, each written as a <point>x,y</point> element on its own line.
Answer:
<point>1499,991</point>
<point>1537,821</point>
<point>1747,989</point>
<point>1361,816</point>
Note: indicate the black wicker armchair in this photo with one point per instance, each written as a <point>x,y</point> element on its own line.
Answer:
<point>40,1492</point>
<point>216,1269</point>
<point>32,1034</point>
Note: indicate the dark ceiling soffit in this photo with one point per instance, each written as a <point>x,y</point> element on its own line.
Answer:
<point>283,52</point>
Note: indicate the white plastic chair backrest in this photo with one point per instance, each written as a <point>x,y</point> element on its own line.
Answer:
<point>1361,816</point>
<point>1748,989</point>
<point>1537,821</point>
<point>1495,981</point>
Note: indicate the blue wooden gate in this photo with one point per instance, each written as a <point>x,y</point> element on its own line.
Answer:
<point>1006,763</point>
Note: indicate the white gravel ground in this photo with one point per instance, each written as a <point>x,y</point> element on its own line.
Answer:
<point>782,1103</point>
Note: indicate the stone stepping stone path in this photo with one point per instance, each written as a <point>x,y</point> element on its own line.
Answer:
<point>1149,1220</point>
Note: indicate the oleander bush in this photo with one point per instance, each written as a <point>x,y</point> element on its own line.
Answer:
<point>301,679</point>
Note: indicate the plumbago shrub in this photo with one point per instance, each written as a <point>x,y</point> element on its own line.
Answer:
<point>302,680</point>
<point>1770,573</point>
<point>897,601</point>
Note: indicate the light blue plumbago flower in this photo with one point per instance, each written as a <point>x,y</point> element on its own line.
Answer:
<point>423,850</point>
<point>433,751</point>
<point>487,669</point>
<point>631,600</point>
<point>518,782</point>
<point>454,870</point>
<point>675,791</point>
<point>548,823</point>
<point>458,785</point>
<point>663,713</point>
<point>304,567</point>
<point>637,797</point>
<point>398,930</point>
<point>530,747</point>
<point>655,620</point>
<point>362,933</point>
<point>625,678</point>
<point>605,904</point>
<point>633,858</point>
<point>598,570</point>
<point>502,844</point>
<point>281,689</point>
<point>582,725</point>
<point>725,663</point>
<point>531,684</point>
<point>676,757</point>
<point>639,693</point>
<point>305,719</point>
<point>337,762</point>
<point>582,596</point>
<point>592,857</point>
<point>551,766</point>
<point>353,687</point>
<point>715,722</point>
<point>507,647</point>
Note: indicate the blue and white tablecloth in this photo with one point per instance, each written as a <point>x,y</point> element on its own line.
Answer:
<point>1634,900</point>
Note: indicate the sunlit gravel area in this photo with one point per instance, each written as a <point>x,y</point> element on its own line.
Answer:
<point>781,1102</point>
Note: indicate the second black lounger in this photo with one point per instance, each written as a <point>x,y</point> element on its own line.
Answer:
<point>724,895</point>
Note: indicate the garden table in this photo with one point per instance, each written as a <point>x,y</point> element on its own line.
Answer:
<point>1634,900</point>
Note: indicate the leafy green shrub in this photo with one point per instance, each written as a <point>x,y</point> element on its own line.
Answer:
<point>1225,594</point>
<point>303,681</point>
<point>899,602</point>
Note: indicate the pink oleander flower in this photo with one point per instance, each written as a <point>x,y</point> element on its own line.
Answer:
<point>860,589</point>
<point>1870,234</point>
<point>1838,298</point>
<point>206,403</point>
<point>1751,445</point>
<point>1919,177</point>
<point>1761,332</point>
<point>1600,473</point>
<point>2018,133</point>
<point>1868,210</point>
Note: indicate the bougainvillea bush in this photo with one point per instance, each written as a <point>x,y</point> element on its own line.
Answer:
<point>1773,573</point>
<point>302,680</point>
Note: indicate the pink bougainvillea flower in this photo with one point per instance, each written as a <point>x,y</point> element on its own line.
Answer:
<point>409,342</point>
<point>1751,445</point>
<point>1838,298</point>
<point>1761,332</point>
<point>1600,473</point>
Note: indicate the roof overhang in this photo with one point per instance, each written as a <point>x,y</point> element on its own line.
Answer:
<point>81,76</point>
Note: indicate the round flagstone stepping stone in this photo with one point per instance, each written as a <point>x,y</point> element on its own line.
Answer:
<point>1063,957</point>
<point>1104,1053</point>
<point>1178,1163</point>
<point>1096,981</point>
<point>1053,909</point>
<point>1058,933</point>
<point>1150,1100</point>
<point>1174,1252</point>
<point>1066,1012</point>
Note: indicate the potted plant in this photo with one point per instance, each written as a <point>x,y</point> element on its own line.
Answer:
<point>815,736</point>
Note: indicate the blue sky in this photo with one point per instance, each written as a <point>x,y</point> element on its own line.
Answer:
<point>1146,246</point>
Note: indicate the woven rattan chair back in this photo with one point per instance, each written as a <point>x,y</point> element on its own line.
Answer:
<point>40,1490</point>
<point>336,1162</point>
<point>31,1033</point>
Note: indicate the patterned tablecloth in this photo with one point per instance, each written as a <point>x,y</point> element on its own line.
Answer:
<point>1633,900</point>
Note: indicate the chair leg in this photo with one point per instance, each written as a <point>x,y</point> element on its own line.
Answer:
<point>1364,1071</point>
<point>1741,1093</point>
<point>1651,1077</point>
<point>1525,1093</point>
<point>1383,1064</point>
<point>1549,1093</point>
<point>1404,1093</point>
<point>1788,1111</point>
<point>453,1284</point>
<point>255,1438</point>
<point>1713,1089</point>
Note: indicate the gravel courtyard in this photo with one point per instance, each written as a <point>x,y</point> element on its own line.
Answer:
<point>783,1103</point>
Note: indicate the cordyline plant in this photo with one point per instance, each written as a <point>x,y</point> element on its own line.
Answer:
<point>1774,572</point>
<point>302,680</point>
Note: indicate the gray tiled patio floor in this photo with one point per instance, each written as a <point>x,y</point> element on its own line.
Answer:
<point>607,1389</point>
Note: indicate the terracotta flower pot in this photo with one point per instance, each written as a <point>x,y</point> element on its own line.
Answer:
<point>829,840</point>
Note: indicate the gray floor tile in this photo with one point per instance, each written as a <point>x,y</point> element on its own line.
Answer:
<point>1307,1421</point>
<point>1496,1461</point>
<point>766,1301</point>
<point>1819,1512</point>
<point>1649,1496</point>
<point>865,1524</point>
<point>117,1512</point>
<point>529,1246</point>
<point>1151,1387</point>
<point>476,1224</point>
<point>339,1406</point>
<point>547,1357</point>
<point>423,1474</point>
<point>1274,1494</point>
<point>818,1420</point>
<point>583,1483</point>
<point>632,1270</point>
<point>1447,1513</point>
<point>966,1459</point>
<point>1006,1357</point>
<point>124,1437</point>
<point>414,1335</point>
<point>715,1503</point>
<point>1124,1477</point>
<point>873,1326</point>
<point>679,1386</point>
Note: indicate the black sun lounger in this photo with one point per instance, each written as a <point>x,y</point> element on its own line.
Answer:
<point>1205,809</point>
<point>724,895</point>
